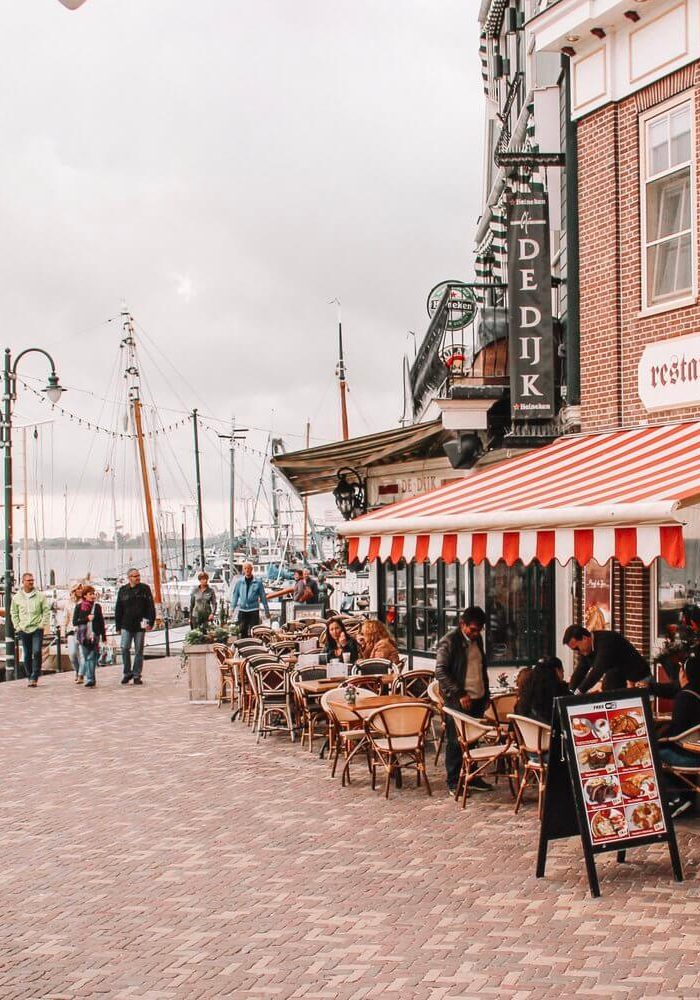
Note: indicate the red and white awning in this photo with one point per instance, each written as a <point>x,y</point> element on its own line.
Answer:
<point>593,496</point>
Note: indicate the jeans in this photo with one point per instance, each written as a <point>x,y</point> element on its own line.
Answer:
<point>88,664</point>
<point>31,646</point>
<point>138,639</point>
<point>453,751</point>
<point>246,620</point>
<point>680,758</point>
<point>74,652</point>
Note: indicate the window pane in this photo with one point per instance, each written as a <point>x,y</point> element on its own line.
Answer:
<point>419,623</point>
<point>657,145</point>
<point>401,583</point>
<point>400,626</point>
<point>680,135</point>
<point>678,586</point>
<point>418,583</point>
<point>451,585</point>
<point>669,269</point>
<point>389,584</point>
<point>668,206</point>
<point>433,636</point>
<point>431,585</point>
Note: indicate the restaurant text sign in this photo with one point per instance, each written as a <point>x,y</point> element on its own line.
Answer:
<point>530,328</point>
<point>669,373</point>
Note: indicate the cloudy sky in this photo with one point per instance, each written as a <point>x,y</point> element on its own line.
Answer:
<point>227,168</point>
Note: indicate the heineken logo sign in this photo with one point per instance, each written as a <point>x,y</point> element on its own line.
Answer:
<point>461,303</point>
<point>530,327</point>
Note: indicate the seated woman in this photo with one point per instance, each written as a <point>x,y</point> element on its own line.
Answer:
<point>340,642</point>
<point>686,715</point>
<point>376,642</point>
<point>541,686</point>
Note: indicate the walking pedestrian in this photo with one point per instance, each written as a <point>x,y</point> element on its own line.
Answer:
<point>134,615</point>
<point>248,594</point>
<point>90,628</point>
<point>202,602</point>
<point>461,672</point>
<point>72,645</point>
<point>604,655</point>
<point>30,614</point>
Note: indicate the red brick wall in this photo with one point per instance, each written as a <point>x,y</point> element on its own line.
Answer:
<point>613,335</point>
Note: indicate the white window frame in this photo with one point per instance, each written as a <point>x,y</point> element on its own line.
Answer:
<point>686,298</point>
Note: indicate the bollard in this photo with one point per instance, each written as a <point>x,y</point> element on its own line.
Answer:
<point>167,634</point>
<point>58,649</point>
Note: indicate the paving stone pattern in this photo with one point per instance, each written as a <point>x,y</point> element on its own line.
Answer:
<point>151,850</point>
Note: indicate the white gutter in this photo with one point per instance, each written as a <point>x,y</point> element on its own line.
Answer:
<point>517,520</point>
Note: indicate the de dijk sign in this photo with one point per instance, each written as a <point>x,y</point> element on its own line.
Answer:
<point>531,334</point>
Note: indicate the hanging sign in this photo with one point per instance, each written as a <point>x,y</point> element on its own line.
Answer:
<point>669,373</point>
<point>461,303</point>
<point>613,794</point>
<point>531,331</point>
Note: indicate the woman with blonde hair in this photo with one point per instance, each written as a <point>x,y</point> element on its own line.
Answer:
<point>376,642</point>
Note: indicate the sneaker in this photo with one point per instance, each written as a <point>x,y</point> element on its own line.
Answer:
<point>126,678</point>
<point>79,680</point>
<point>452,791</point>
<point>90,684</point>
<point>137,680</point>
<point>479,785</point>
<point>679,806</point>
<point>32,684</point>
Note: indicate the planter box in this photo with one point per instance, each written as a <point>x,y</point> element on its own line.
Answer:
<point>203,672</point>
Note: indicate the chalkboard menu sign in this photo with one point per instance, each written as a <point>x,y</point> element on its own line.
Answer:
<point>613,793</point>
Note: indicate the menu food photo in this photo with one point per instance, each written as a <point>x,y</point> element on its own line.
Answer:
<point>616,770</point>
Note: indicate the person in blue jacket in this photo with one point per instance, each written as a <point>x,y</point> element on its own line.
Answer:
<point>247,596</point>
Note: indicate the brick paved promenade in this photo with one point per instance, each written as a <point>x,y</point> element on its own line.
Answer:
<point>151,850</point>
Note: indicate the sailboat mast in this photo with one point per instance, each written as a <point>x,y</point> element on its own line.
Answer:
<point>342,380</point>
<point>132,374</point>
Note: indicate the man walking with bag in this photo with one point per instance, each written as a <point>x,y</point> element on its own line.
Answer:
<point>134,615</point>
<point>30,615</point>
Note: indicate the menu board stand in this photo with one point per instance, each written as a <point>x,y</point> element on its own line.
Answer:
<point>604,780</point>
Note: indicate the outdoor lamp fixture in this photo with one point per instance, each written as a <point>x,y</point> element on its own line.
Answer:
<point>53,391</point>
<point>349,494</point>
<point>72,4</point>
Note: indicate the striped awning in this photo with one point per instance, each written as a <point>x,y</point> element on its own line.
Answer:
<point>595,496</point>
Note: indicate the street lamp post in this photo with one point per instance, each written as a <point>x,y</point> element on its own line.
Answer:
<point>53,392</point>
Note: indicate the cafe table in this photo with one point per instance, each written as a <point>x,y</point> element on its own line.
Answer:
<point>323,684</point>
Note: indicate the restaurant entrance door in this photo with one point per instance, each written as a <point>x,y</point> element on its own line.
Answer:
<point>519,605</point>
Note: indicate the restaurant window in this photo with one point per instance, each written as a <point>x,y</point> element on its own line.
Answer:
<point>676,587</point>
<point>668,252</point>
<point>393,600</point>
<point>519,605</point>
<point>420,602</point>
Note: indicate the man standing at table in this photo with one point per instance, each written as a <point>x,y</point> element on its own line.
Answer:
<point>30,615</point>
<point>604,655</point>
<point>461,672</point>
<point>247,595</point>
<point>134,615</point>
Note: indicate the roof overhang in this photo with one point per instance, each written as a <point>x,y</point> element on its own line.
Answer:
<point>315,470</point>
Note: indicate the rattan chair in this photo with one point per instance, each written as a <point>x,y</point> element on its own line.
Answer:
<point>414,683</point>
<point>397,737</point>
<point>309,708</point>
<point>263,632</point>
<point>533,743</point>
<point>370,682</point>
<point>346,731</point>
<point>477,759</point>
<point>227,673</point>
<point>273,691</point>
<point>248,692</point>
<point>438,703</point>
<point>689,742</point>
<point>374,665</point>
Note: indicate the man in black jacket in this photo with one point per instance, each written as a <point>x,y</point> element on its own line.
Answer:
<point>603,655</point>
<point>461,671</point>
<point>134,615</point>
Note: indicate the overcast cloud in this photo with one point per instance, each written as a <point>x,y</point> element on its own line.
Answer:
<point>227,168</point>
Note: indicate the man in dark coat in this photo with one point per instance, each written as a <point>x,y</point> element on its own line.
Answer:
<point>461,671</point>
<point>134,615</point>
<point>606,656</point>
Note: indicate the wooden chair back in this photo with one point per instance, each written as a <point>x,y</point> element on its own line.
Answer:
<point>532,736</point>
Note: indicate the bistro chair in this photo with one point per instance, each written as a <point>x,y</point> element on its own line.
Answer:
<point>689,742</point>
<point>436,698</point>
<point>371,682</point>
<point>414,683</point>
<point>245,643</point>
<point>316,631</point>
<point>284,646</point>
<point>532,738</point>
<point>227,673</point>
<point>375,665</point>
<point>396,735</point>
<point>273,690</point>
<point>346,731</point>
<point>262,632</point>
<point>477,759</point>
<point>310,711</point>
<point>249,695</point>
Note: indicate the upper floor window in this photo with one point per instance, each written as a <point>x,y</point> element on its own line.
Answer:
<point>668,206</point>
